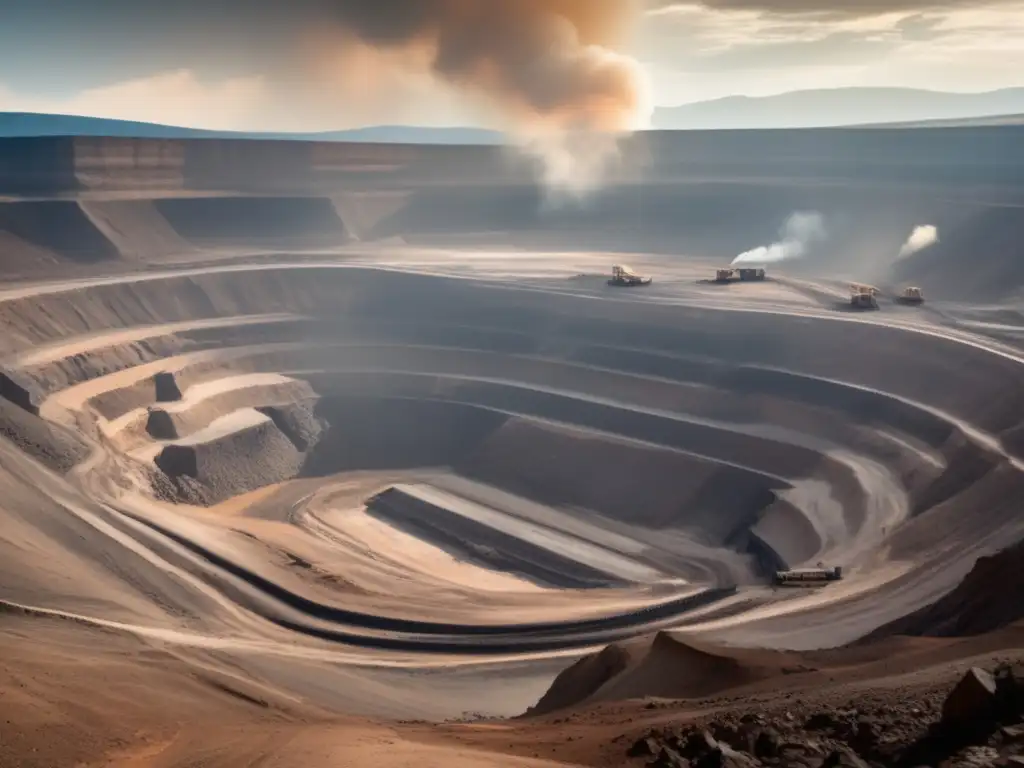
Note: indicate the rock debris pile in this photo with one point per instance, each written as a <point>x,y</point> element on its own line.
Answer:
<point>979,723</point>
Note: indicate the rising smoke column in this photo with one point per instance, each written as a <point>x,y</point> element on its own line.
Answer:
<point>800,230</point>
<point>921,237</point>
<point>551,67</point>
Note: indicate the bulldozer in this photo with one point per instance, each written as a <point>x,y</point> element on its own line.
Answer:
<point>624,276</point>
<point>911,295</point>
<point>863,297</point>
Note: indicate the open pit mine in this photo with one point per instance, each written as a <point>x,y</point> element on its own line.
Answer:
<point>297,433</point>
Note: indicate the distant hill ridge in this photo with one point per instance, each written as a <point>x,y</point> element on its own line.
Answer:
<point>903,107</point>
<point>840,107</point>
<point>14,124</point>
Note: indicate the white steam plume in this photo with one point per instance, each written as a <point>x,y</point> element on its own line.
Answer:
<point>921,237</point>
<point>800,230</point>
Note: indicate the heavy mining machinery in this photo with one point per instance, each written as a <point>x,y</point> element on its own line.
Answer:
<point>808,576</point>
<point>863,297</point>
<point>624,276</point>
<point>911,295</point>
<point>744,274</point>
<point>751,273</point>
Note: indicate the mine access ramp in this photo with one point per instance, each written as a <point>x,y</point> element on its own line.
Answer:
<point>624,276</point>
<point>808,576</point>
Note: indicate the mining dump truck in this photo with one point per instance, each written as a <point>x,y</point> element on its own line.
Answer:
<point>623,276</point>
<point>910,295</point>
<point>863,297</point>
<point>751,273</point>
<point>809,577</point>
<point>724,275</point>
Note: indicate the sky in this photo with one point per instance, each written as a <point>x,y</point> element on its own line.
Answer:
<point>331,64</point>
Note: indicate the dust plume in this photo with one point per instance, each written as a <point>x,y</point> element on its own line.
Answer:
<point>800,230</point>
<point>920,238</point>
<point>551,69</point>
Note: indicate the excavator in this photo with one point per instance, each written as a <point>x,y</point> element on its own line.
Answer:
<point>624,277</point>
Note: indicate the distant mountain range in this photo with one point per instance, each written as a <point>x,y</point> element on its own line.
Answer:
<point>902,107</point>
<point>839,107</point>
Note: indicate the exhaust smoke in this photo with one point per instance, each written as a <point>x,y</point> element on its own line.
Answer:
<point>800,230</point>
<point>922,237</point>
<point>551,69</point>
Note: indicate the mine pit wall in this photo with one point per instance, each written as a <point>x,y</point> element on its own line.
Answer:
<point>981,388</point>
<point>45,166</point>
<point>928,158</point>
<point>649,335</point>
<point>36,235</point>
<point>60,227</point>
<point>136,229</point>
<point>237,221</point>
<point>782,538</point>
<point>378,432</point>
<point>642,484</point>
<point>30,385</point>
<point>706,193</point>
<point>470,540</point>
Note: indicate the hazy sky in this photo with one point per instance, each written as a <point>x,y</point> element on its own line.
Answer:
<point>289,65</point>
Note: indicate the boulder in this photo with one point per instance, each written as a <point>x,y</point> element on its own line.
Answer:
<point>724,756</point>
<point>843,758</point>
<point>160,425</point>
<point>767,743</point>
<point>971,700</point>
<point>1012,734</point>
<point>20,389</point>
<point>644,747</point>
<point>699,743</point>
<point>821,721</point>
<point>669,758</point>
<point>166,387</point>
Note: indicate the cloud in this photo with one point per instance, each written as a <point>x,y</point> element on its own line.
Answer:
<point>359,87</point>
<point>823,8</point>
<point>175,98</point>
<point>706,50</point>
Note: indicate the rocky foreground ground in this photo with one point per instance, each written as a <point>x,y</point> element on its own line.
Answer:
<point>980,722</point>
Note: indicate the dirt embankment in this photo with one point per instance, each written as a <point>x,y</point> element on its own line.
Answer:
<point>59,228</point>
<point>379,433</point>
<point>988,598</point>
<point>240,452</point>
<point>635,483</point>
<point>57,447</point>
<point>288,221</point>
<point>37,235</point>
<point>136,229</point>
<point>663,667</point>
